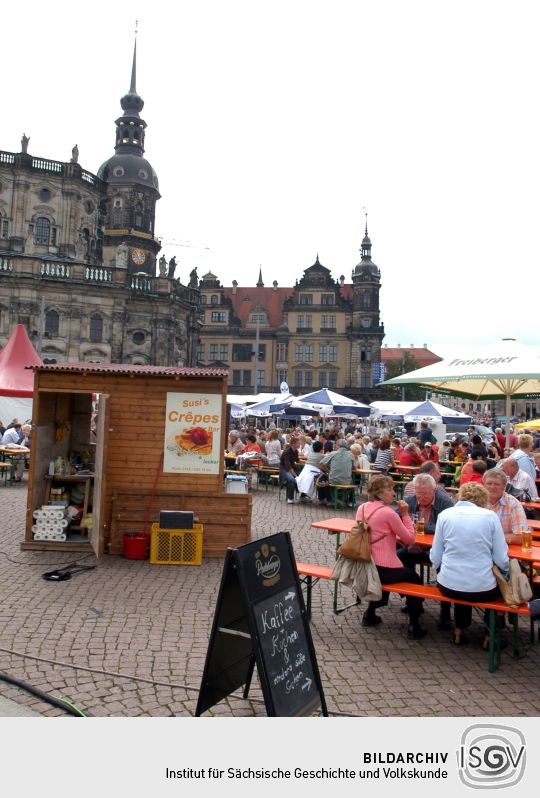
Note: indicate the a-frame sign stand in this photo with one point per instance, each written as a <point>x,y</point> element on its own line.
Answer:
<point>261,619</point>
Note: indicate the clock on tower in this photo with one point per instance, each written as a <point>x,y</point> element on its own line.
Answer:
<point>138,256</point>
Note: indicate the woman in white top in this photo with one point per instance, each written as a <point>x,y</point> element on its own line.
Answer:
<point>305,446</point>
<point>360,459</point>
<point>468,539</point>
<point>273,448</point>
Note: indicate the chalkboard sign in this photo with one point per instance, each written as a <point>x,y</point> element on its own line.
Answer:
<point>261,618</point>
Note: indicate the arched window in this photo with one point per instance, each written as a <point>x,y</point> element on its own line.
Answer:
<point>52,323</point>
<point>43,230</point>
<point>96,329</point>
<point>366,299</point>
<point>214,300</point>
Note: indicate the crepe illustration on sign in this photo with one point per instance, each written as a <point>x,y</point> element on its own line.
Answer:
<point>191,440</point>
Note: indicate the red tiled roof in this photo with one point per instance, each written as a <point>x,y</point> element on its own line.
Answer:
<point>346,292</point>
<point>245,300</point>
<point>127,368</point>
<point>422,356</point>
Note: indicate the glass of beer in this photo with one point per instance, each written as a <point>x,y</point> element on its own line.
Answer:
<point>526,541</point>
<point>420,527</point>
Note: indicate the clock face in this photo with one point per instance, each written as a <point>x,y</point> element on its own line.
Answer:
<point>138,256</point>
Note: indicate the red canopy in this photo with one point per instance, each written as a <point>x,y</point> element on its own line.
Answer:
<point>15,379</point>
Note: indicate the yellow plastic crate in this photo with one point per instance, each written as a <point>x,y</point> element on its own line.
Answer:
<point>176,546</point>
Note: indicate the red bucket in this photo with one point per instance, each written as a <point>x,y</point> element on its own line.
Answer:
<point>136,545</point>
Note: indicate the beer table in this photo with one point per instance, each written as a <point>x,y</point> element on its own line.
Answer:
<point>12,451</point>
<point>338,526</point>
<point>364,472</point>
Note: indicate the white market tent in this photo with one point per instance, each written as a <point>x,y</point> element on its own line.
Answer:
<point>418,411</point>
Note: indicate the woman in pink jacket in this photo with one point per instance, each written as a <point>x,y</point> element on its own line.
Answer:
<point>387,529</point>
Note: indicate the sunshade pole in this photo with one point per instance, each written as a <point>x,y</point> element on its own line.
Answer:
<point>508,412</point>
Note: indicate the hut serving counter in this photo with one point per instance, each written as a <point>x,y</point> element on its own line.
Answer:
<point>115,444</point>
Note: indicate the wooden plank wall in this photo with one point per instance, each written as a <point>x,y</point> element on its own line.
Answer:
<point>136,441</point>
<point>226,520</point>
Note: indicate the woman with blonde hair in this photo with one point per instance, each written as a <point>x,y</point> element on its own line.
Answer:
<point>273,448</point>
<point>387,529</point>
<point>468,539</point>
<point>360,459</point>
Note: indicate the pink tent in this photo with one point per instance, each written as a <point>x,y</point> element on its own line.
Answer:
<point>16,381</point>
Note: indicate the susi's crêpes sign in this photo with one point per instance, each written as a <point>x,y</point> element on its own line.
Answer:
<point>193,424</point>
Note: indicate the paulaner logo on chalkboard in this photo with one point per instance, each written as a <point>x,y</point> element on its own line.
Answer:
<point>267,565</point>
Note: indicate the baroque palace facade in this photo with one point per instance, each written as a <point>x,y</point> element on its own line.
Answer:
<point>79,268</point>
<point>78,256</point>
<point>321,333</point>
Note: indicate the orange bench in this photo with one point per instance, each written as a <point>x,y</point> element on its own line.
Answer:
<point>312,574</point>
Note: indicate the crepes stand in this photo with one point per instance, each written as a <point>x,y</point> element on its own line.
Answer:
<point>114,444</point>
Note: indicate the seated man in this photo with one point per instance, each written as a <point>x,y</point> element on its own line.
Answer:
<point>431,468</point>
<point>508,508</point>
<point>427,503</point>
<point>339,466</point>
<point>13,435</point>
<point>519,482</point>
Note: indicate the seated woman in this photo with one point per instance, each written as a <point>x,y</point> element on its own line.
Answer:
<point>250,451</point>
<point>468,539</point>
<point>305,481</point>
<point>273,448</point>
<point>410,456</point>
<point>385,458</point>
<point>387,529</point>
<point>360,459</point>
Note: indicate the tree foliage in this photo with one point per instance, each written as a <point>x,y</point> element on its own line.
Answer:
<point>394,368</point>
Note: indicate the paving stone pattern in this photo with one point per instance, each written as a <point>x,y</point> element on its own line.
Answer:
<point>130,638</point>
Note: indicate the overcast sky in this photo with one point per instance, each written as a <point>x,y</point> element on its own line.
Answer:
<point>273,125</point>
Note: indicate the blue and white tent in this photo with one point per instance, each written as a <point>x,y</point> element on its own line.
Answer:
<point>416,412</point>
<point>262,409</point>
<point>321,403</point>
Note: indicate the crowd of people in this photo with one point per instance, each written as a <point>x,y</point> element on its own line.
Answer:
<point>487,514</point>
<point>14,436</point>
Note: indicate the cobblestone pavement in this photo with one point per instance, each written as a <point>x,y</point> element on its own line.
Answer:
<point>130,638</point>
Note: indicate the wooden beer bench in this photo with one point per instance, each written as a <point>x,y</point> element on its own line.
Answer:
<point>310,575</point>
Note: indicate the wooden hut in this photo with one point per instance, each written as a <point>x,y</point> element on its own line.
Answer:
<point>128,441</point>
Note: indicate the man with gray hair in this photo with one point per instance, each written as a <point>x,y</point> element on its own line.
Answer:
<point>519,482</point>
<point>427,503</point>
<point>508,508</point>
<point>524,455</point>
<point>339,466</point>
<point>431,468</point>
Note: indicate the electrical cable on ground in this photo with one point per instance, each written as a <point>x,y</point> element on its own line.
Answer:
<point>134,678</point>
<point>59,703</point>
<point>20,562</point>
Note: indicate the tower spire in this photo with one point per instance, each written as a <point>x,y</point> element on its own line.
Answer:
<point>130,127</point>
<point>366,244</point>
<point>132,88</point>
<point>260,283</point>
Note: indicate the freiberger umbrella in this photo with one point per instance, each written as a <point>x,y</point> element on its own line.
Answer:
<point>501,370</point>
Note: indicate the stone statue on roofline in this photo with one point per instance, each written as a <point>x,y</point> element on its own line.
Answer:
<point>24,143</point>
<point>122,252</point>
<point>163,266</point>
<point>193,279</point>
<point>172,267</point>
<point>75,154</point>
